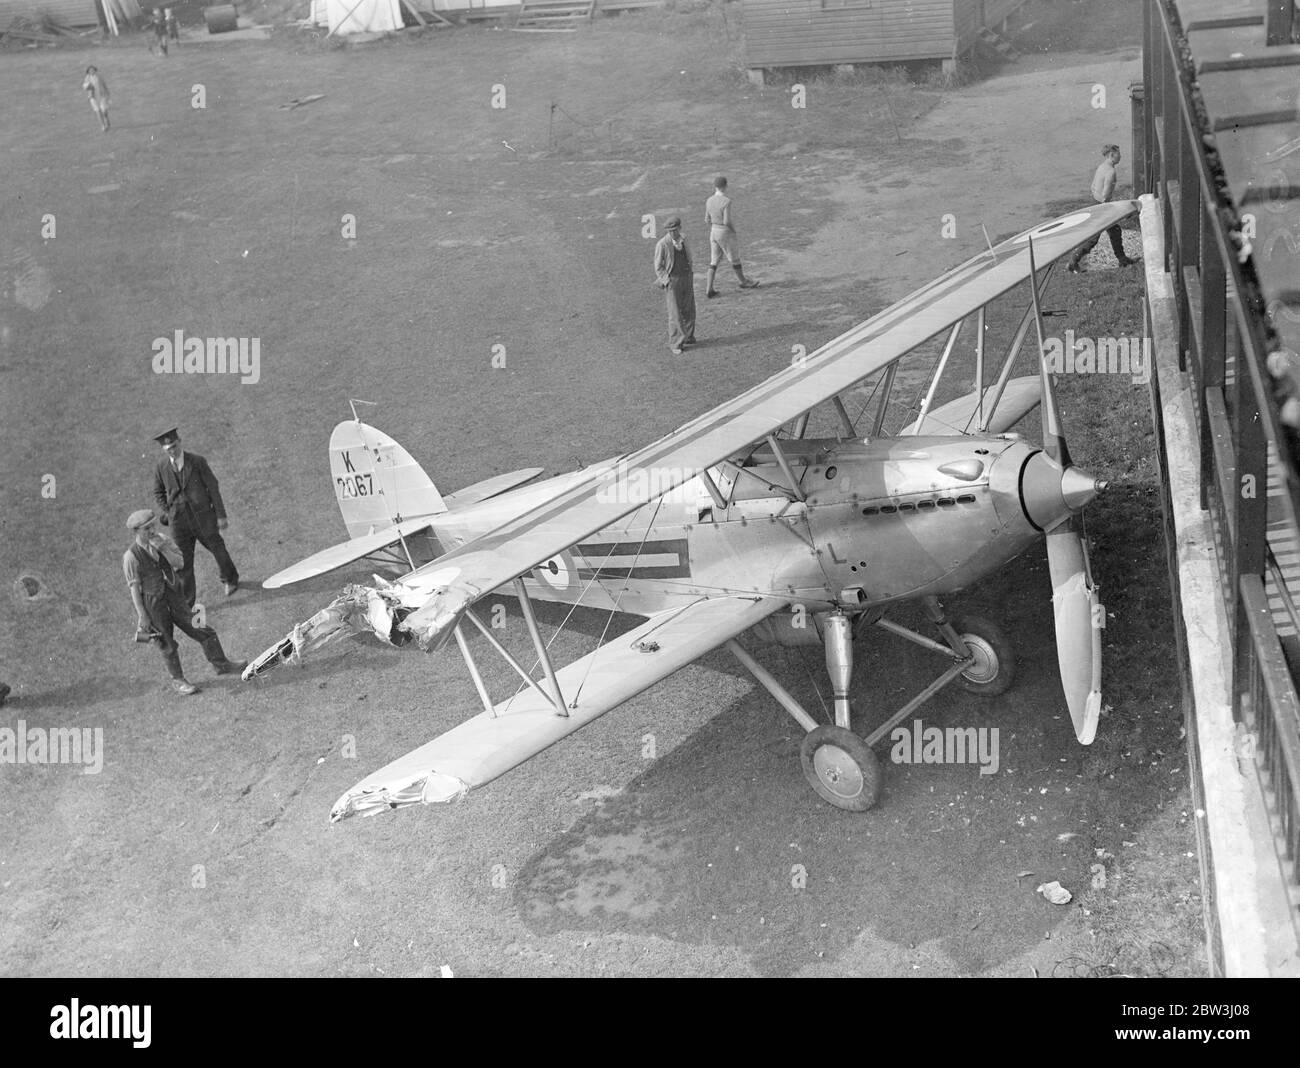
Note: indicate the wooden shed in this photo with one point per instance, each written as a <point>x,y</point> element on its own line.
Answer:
<point>68,12</point>
<point>809,33</point>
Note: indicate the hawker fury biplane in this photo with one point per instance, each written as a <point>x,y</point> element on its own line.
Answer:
<point>739,521</point>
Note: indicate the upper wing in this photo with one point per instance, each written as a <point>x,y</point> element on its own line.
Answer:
<point>490,744</point>
<point>456,580</point>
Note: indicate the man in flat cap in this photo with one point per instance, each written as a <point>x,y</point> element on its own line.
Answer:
<point>189,501</point>
<point>160,604</point>
<point>673,273</point>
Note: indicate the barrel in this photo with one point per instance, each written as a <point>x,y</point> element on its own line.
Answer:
<point>221,18</point>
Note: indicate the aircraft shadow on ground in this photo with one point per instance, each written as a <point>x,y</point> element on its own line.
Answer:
<point>722,843</point>
<point>706,845</point>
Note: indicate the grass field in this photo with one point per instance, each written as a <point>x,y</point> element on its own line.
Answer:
<point>202,848</point>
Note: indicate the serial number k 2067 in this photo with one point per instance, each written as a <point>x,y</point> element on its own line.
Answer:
<point>355,486</point>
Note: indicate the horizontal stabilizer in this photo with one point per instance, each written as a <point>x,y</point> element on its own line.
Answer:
<point>490,487</point>
<point>347,552</point>
<point>1021,397</point>
<point>490,744</point>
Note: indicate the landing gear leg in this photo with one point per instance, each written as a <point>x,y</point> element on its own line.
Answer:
<point>935,610</point>
<point>838,764</point>
<point>993,660</point>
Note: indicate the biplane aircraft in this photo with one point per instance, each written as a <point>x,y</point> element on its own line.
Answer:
<point>738,521</point>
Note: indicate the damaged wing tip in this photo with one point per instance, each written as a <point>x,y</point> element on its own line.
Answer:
<point>431,789</point>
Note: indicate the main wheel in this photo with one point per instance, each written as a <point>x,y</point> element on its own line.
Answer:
<point>841,767</point>
<point>994,669</point>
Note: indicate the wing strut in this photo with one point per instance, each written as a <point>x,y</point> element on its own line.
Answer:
<point>938,374</point>
<point>468,657</point>
<point>887,390</point>
<point>714,492</point>
<point>509,659</point>
<point>1016,342</point>
<point>786,470</point>
<point>849,428</point>
<point>526,606</point>
<point>979,369</point>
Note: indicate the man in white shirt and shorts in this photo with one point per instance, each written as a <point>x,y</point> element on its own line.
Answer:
<point>1103,191</point>
<point>722,237</point>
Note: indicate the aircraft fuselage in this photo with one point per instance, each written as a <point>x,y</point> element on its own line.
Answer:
<point>879,521</point>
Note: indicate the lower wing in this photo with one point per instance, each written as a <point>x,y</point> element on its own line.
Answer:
<point>959,416</point>
<point>490,744</point>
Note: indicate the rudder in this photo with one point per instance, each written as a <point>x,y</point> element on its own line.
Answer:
<point>376,482</point>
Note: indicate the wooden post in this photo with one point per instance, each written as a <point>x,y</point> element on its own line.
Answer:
<point>414,14</point>
<point>1137,132</point>
<point>1279,21</point>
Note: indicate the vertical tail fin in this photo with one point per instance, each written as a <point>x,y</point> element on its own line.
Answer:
<point>376,482</point>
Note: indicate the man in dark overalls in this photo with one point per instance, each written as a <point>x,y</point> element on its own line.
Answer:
<point>189,500</point>
<point>674,275</point>
<point>160,605</point>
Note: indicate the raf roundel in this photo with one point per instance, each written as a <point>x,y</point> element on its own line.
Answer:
<point>1065,222</point>
<point>558,572</point>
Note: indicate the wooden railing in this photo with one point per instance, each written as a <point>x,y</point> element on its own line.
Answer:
<point>1225,340</point>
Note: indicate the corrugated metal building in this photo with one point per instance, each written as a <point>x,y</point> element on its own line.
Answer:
<point>68,12</point>
<point>798,33</point>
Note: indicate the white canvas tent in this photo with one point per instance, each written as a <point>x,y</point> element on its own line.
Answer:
<point>363,16</point>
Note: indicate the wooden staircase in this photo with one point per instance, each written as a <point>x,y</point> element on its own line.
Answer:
<point>554,16</point>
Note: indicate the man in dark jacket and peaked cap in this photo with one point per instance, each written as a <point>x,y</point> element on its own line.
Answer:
<point>189,500</point>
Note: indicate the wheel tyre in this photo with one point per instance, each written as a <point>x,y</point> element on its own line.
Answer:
<point>841,767</point>
<point>994,669</point>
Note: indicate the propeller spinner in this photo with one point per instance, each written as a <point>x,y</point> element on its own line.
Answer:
<point>1057,490</point>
